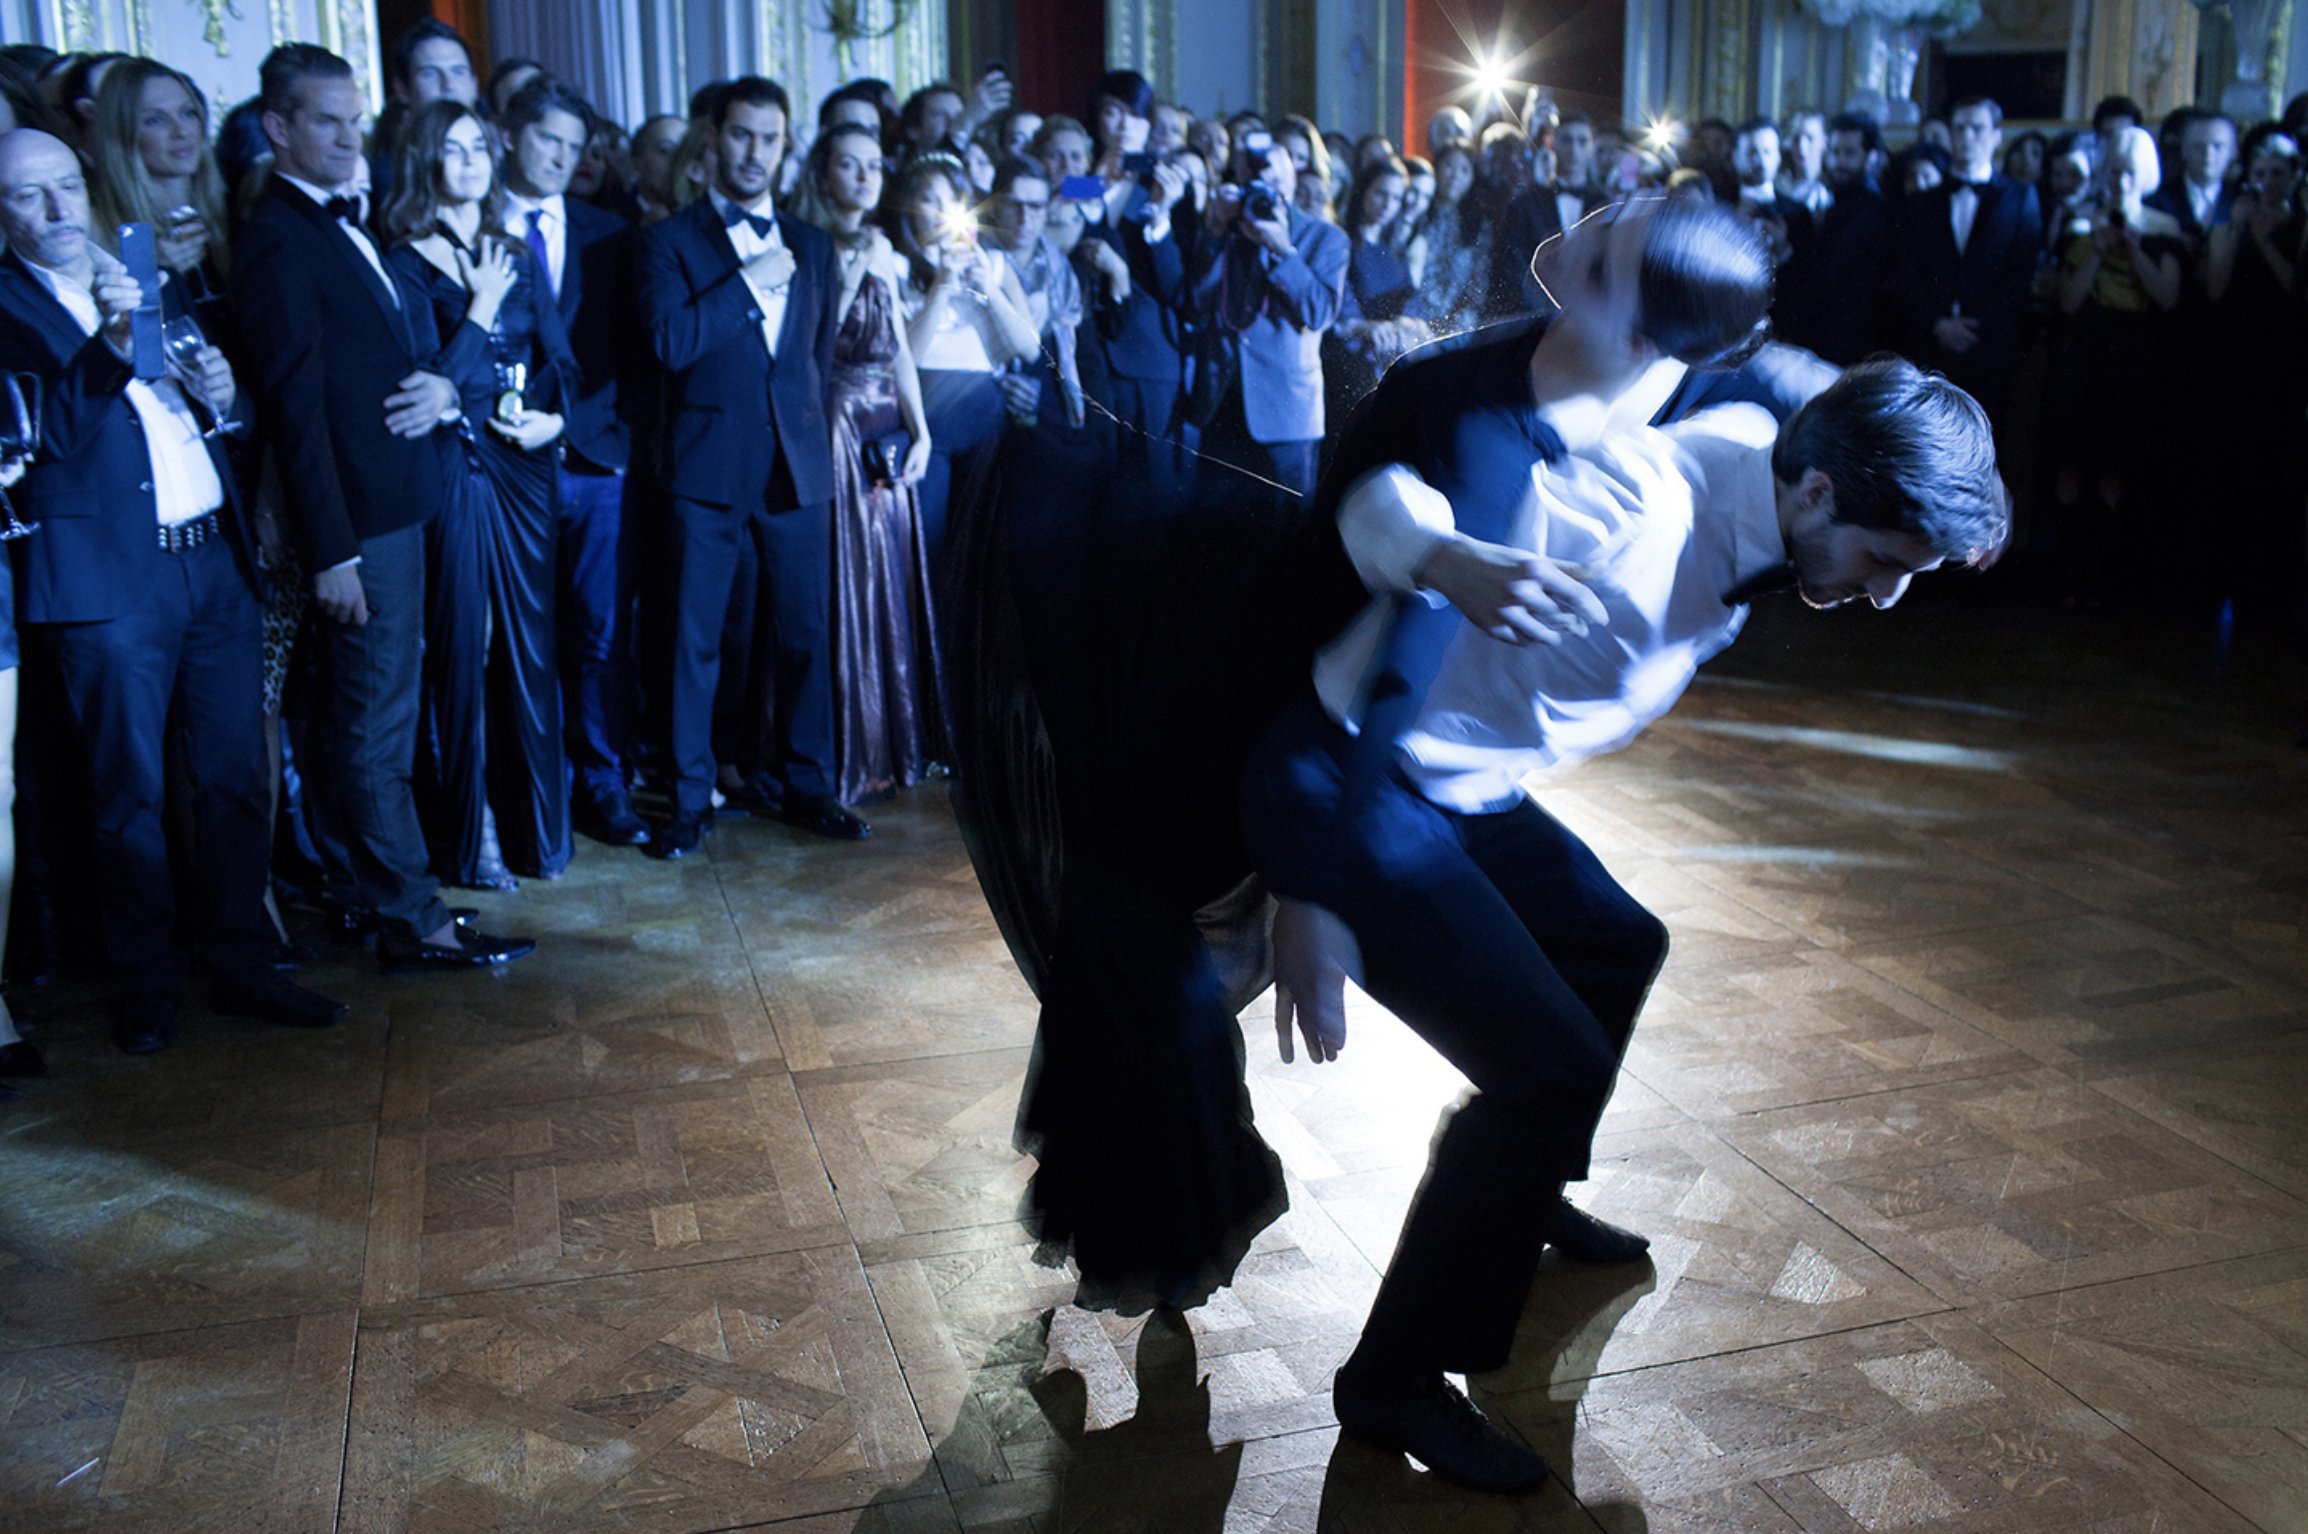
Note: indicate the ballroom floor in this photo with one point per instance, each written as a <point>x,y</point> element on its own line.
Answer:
<point>1967,1121</point>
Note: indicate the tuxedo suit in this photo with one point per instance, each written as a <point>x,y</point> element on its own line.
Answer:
<point>140,635</point>
<point>1529,221</point>
<point>1831,293</point>
<point>748,457</point>
<point>594,586</point>
<point>326,338</point>
<point>1988,280</point>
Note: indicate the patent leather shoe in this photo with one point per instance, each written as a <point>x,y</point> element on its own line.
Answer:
<point>1429,1419</point>
<point>825,817</point>
<point>1581,1237</point>
<point>474,950</point>
<point>146,1023</point>
<point>270,999</point>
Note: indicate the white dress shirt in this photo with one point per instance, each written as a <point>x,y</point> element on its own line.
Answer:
<point>748,244</point>
<point>184,482</point>
<point>1962,208</point>
<point>1668,520</point>
<point>360,236</point>
<point>1569,209</point>
<point>552,216</point>
<point>2203,201</point>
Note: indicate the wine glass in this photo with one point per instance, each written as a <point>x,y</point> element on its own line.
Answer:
<point>182,340</point>
<point>19,439</point>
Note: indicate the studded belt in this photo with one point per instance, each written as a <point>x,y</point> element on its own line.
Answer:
<point>190,535</point>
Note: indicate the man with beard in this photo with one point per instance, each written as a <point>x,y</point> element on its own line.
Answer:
<point>1830,294</point>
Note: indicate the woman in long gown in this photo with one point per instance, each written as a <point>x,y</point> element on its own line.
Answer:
<point>886,685</point>
<point>493,693</point>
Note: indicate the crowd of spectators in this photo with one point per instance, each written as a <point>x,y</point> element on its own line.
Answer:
<point>509,463</point>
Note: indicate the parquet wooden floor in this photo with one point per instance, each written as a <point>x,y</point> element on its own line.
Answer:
<point>1967,1121</point>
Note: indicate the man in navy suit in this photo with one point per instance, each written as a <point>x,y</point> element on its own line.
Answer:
<point>587,256</point>
<point>1967,256</point>
<point>140,586</point>
<point>741,304</point>
<point>1831,293</point>
<point>1538,214</point>
<point>342,362</point>
<point>1271,285</point>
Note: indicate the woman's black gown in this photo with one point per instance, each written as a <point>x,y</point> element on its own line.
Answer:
<point>493,693</point>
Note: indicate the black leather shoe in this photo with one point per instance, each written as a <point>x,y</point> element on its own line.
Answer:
<point>475,950</point>
<point>21,1059</point>
<point>1581,1237</point>
<point>680,836</point>
<point>824,817</point>
<point>270,999</point>
<point>146,1024</point>
<point>1430,1420</point>
<point>614,822</point>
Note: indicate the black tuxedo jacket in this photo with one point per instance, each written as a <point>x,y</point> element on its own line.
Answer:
<point>325,342</point>
<point>1990,278</point>
<point>1146,335</point>
<point>596,303</point>
<point>1528,222</point>
<point>96,554</point>
<point>731,412</point>
<point>2172,198</point>
<point>1831,291</point>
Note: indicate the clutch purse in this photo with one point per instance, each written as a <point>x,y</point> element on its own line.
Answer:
<point>885,456</point>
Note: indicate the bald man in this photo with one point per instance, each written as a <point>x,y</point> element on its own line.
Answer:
<point>141,585</point>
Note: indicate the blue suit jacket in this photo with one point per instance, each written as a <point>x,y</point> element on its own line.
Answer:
<point>730,411</point>
<point>90,488</point>
<point>596,304</point>
<point>1281,349</point>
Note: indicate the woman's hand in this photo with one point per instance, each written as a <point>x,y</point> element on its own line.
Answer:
<point>917,460</point>
<point>184,247</point>
<point>529,431</point>
<point>487,273</point>
<point>1314,956</point>
<point>1514,596</point>
<point>1112,267</point>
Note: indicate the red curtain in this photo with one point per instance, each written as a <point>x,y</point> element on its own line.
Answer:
<point>1061,54</point>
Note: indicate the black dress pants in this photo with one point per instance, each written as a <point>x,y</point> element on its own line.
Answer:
<point>189,657</point>
<point>1503,942</point>
<point>793,549</point>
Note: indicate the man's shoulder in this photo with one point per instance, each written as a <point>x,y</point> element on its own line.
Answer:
<point>588,224</point>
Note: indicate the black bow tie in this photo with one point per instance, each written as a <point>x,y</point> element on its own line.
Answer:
<point>346,208</point>
<point>1761,584</point>
<point>733,215</point>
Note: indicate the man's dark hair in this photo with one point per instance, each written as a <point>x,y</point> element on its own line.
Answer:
<point>1126,86</point>
<point>428,30</point>
<point>281,78</point>
<point>1016,167</point>
<point>1574,115</point>
<point>79,79</point>
<point>32,58</point>
<point>751,91</point>
<point>1907,452</point>
<point>910,115</point>
<point>856,90</point>
<point>705,101</point>
<point>1704,284</point>
<point>544,94</point>
<point>1755,124</point>
<point>1860,123</point>
<point>1994,108</point>
<point>2116,106</point>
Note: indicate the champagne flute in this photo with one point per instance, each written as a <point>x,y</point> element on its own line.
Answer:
<point>182,340</point>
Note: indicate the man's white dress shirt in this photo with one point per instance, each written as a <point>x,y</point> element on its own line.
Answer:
<point>748,244</point>
<point>552,218</point>
<point>360,236</point>
<point>1667,520</point>
<point>1962,209</point>
<point>184,482</point>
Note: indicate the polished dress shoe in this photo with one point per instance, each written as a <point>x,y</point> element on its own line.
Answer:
<point>1429,1419</point>
<point>21,1059</point>
<point>270,999</point>
<point>614,822</point>
<point>474,950</point>
<point>1581,1237</point>
<point>824,817</point>
<point>680,836</point>
<point>146,1024</point>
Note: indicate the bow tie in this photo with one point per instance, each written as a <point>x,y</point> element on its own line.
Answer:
<point>1761,584</point>
<point>733,215</point>
<point>346,208</point>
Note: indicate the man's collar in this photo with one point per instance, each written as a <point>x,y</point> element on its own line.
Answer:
<point>722,203</point>
<point>554,206</point>
<point>319,194</point>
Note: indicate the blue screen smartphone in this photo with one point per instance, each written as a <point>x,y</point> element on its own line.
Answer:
<point>140,253</point>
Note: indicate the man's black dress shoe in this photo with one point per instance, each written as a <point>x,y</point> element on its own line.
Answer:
<point>614,822</point>
<point>146,1024</point>
<point>475,950</point>
<point>680,836</point>
<point>1430,1420</point>
<point>21,1059</point>
<point>270,999</point>
<point>824,817</point>
<point>1581,1237</point>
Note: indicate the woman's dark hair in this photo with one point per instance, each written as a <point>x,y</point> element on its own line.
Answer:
<point>810,203</point>
<point>1350,216</point>
<point>1907,452</point>
<point>919,172</point>
<point>80,81</point>
<point>415,208</point>
<point>1703,286</point>
<point>2021,141</point>
<point>22,93</point>
<point>1126,86</point>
